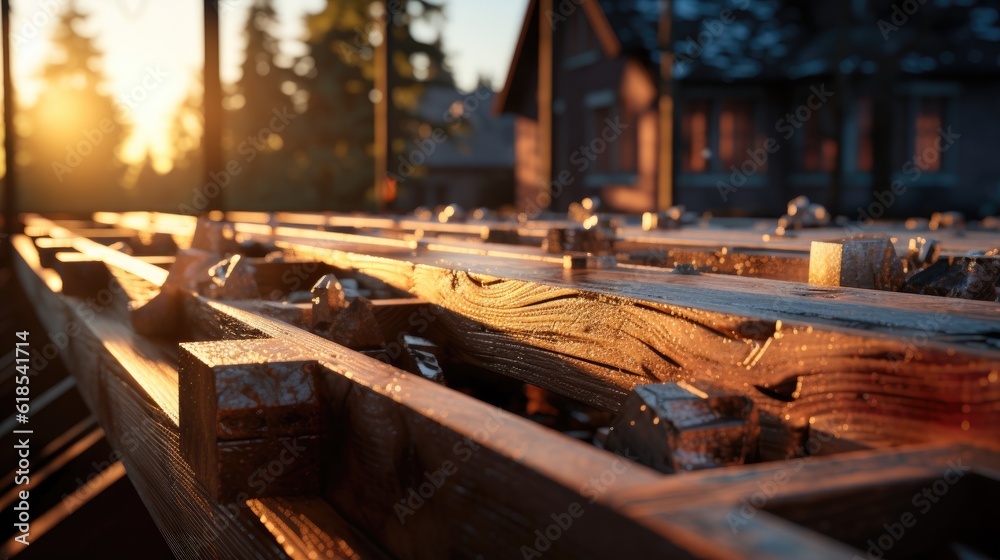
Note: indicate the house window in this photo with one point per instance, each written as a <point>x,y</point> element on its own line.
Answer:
<point>717,134</point>
<point>612,133</point>
<point>819,143</point>
<point>928,121</point>
<point>865,149</point>
<point>694,132</point>
<point>580,38</point>
<point>601,116</point>
<point>735,131</point>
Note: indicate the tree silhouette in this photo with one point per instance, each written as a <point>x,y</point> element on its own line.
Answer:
<point>337,161</point>
<point>72,134</point>
<point>261,107</point>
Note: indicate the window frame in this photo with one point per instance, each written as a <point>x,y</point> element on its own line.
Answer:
<point>716,97</point>
<point>912,94</point>
<point>594,177</point>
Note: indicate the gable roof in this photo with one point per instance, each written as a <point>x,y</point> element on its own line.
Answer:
<point>741,40</point>
<point>523,68</point>
<point>486,142</point>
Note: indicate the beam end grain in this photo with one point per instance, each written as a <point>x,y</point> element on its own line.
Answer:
<point>251,418</point>
<point>858,262</point>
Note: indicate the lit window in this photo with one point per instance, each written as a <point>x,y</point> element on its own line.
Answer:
<point>865,148</point>
<point>717,134</point>
<point>819,146</point>
<point>620,148</point>
<point>694,130</point>
<point>926,142</point>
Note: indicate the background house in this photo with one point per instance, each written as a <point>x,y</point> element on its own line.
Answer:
<point>474,164</point>
<point>770,99</point>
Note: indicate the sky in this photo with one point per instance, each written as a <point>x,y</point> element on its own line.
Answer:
<point>153,49</point>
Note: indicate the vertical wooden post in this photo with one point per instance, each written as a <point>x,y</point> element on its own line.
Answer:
<point>546,118</point>
<point>11,222</point>
<point>841,85</point>
<point>212,104</point>
<point>665,167</point>
<point>384,83</point>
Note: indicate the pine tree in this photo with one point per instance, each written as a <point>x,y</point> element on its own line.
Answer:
<point>338,160</point>
<point>255,139</point>
<point>72,134</point>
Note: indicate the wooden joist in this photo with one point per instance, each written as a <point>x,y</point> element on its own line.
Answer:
<point>425,471</point>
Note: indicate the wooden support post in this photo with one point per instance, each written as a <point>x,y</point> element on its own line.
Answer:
<point>384,122</point>
<point>251,418</point>
<point>546,92</point>
<point>11,222</point>
<point>213,103</point>
<point>665,168</point>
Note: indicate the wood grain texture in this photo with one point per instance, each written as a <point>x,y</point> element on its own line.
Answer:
<point>397,432</point>
<point>828,370</point>
<point>874,367</point>
<point>131,385</point>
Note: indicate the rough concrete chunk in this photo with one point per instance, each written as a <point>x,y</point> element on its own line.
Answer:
<point>215,237</point>
<point>160,316</point>
<point>420,357</point>
<point>922,251</point>
<point>673,429</point>
<point>857,262</point>
<point>328,299</point>
<point>234,279</point>
<point>957,277</point>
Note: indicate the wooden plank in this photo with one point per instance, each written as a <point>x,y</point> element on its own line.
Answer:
<point>850,497</point>
<point>633,326</point>
<point>132,386</point>
<point>397,435</point>
<point>471,454</point>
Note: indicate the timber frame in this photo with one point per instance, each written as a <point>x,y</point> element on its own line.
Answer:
<point>865,398</point>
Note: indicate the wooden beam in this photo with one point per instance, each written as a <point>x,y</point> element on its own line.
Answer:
<point>665,141</point>
<point>10,195</point>
<point>243,405</point>
<point>212,138</point>
<point>429,472</point>
<point>385,84</point>
<point>597,333</point>
<point>546,98</point>
<point>130,383</point>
